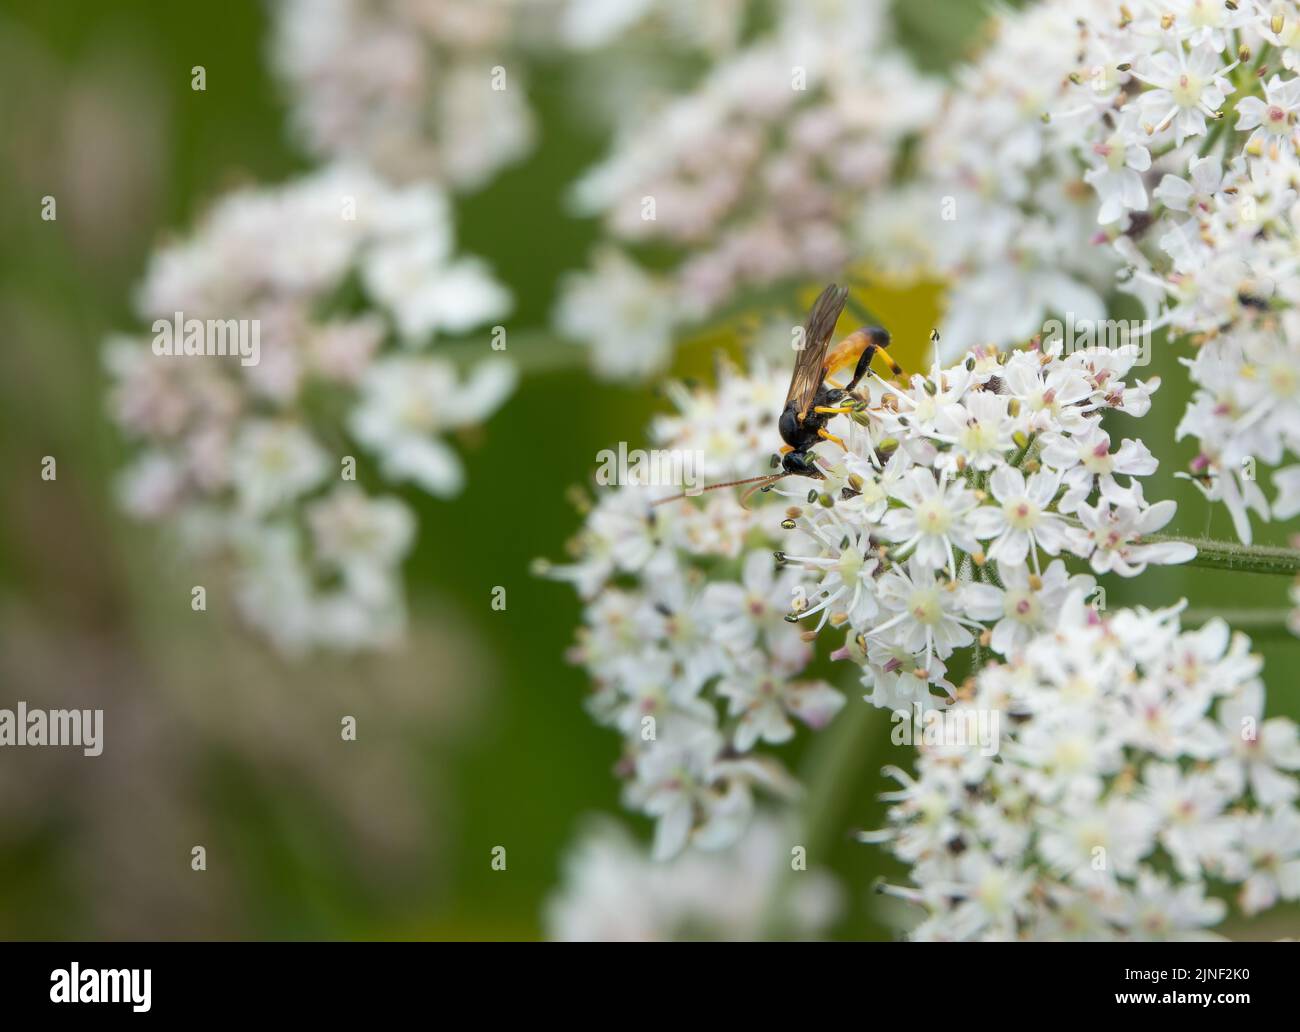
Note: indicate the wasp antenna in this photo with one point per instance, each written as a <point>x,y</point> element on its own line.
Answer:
<point>765,478</point>
<point>770,479</point>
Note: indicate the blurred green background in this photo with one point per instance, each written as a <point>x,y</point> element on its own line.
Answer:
<point>472,737</point>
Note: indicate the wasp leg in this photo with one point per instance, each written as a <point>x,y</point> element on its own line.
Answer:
<point>827,410</point>
<point>894,367</point>
<point>786,449</point>
<point>826,435</point>
<point>879,340</point>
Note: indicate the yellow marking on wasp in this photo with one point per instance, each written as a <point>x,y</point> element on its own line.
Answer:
<point>846,353</point>
<point>894,367</point>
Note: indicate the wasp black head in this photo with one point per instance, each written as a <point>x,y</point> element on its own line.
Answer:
<point>801,464</point>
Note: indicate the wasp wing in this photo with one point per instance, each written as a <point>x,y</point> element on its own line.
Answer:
<point>810,363</point>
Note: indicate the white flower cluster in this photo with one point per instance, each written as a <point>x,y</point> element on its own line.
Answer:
<point>417,89</point>
<point>613,892</point>
<point>1156,142</point>
<point>1203,97</point>
<point>1135,768</point>
<point>750,180</point>
<point>585,25</point>
<point>685,634</point>
<point>943,519</point>
<point>238,451</point>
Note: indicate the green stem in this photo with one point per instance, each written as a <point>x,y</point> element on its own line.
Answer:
<point>1243,80</point>
<point>1212,137</point>
<point>1029,443</point>
<point>532,351</point>
<point>1259,622</point>
<point>1228,555</point>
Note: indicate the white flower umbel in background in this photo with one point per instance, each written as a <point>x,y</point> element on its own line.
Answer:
<point>614,892</point>
<point>426,89</point>
<point>945,521</point>
<point>1136,776</point>
<point>997,206</point>
<point>749,180</point>
<point>348,281</point>
<point>588,25</point>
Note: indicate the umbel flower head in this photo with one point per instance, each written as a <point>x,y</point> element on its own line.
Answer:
<point>684,633</point>
<point>1135,773</point>
<point>238,451</point>
<point>750,179</point>
<point>1151,147</point>
<point>945,516</point>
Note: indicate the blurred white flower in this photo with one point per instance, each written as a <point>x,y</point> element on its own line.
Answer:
<point>588,24</point>
<point>405,401</point>
<point>1246,410</point>
<point>749,180</point>
<point>231,452</point>
<point>762,700</point>
<point>626,316</point>
<point>364,538</point>
<point>427,293</point>
<point>273,463</point>
<point>612,892</point>
<point>407,88</point>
